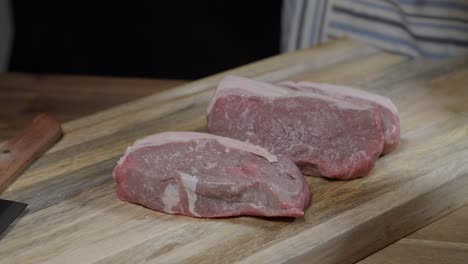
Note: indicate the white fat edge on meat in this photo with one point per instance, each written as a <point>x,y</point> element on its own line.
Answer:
<point>339,90</point>
<point>243,86</point>
<point>232,82</point>
<point>170,197</point>
<point>124,156</point>
<point>174,137</point>
<point>341,104</point>
<point>190,184</point>
<point>228,82</point>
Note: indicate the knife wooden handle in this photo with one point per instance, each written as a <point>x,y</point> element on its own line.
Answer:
<point>19,152</point>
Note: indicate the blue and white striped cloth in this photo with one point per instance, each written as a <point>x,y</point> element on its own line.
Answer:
<point>416,28</point>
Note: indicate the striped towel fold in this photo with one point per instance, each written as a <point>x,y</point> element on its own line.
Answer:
<point>415,28</point>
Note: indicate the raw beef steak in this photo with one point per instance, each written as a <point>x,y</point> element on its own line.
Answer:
<point>388,111</point>
<point>322,135</point>
<point>202,175</point>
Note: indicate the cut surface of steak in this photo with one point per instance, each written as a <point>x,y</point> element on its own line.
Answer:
<point>388,111</point>
<point>203,175</point>
<point>322,135</point>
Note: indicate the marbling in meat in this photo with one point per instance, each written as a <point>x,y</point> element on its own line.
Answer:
<point>324,135</point>
<point>388,111</point>
<point>202,175</point>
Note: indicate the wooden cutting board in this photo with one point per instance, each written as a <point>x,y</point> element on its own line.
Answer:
<point>75,217</point>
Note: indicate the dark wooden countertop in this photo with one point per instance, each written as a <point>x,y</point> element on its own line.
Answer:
<point>66,97</point>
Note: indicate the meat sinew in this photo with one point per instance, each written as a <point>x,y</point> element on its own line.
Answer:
<point>202,175</point>
<point>321,134</point>
<point>388,111</point>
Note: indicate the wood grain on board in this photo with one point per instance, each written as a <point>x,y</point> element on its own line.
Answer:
<point>74,213</point>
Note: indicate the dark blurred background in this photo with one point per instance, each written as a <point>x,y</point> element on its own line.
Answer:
<point>161,39</point>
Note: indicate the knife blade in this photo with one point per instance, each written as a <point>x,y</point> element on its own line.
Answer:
<point>9,211</point>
